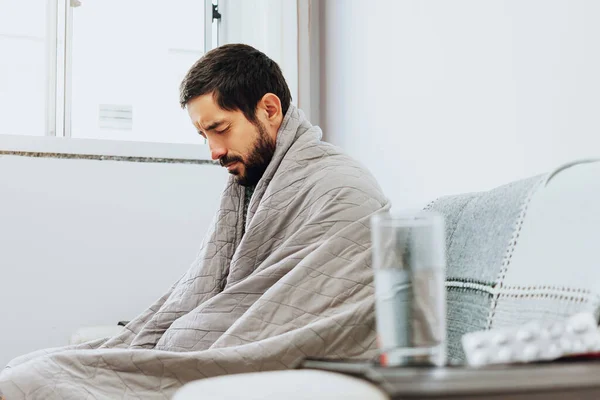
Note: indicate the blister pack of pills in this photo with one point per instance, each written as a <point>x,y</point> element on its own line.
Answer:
<point>534,341</point>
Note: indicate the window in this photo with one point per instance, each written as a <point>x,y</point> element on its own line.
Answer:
<point>23,53</point>
<point>100,69</point>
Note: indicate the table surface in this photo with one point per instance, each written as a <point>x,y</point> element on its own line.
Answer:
<point>526,381</point>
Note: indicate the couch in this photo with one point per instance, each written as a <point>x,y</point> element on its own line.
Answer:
<point>527,250</point>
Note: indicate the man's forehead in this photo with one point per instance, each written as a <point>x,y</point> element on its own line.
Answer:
<point>205,112</point>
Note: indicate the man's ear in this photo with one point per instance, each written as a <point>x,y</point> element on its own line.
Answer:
<point>271,106</point>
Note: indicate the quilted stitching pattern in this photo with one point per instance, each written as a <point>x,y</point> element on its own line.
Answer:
<point>297,283</point>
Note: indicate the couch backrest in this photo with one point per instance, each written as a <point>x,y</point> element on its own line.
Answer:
<point>523,251</point>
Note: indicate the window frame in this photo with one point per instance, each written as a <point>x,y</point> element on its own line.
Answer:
<point>57,138</point>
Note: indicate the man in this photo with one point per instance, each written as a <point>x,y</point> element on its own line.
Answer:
<point>283,273</point>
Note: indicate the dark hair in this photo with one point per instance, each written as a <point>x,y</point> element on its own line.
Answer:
<point>238,76</point>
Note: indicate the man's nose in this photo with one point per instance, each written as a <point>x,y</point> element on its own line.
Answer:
<point>216,151</point>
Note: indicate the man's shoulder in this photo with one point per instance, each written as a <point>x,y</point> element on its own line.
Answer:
<point>327,167</point>
<point>316,153</point>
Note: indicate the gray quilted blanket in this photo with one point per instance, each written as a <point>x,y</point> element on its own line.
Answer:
<point>297,283</point>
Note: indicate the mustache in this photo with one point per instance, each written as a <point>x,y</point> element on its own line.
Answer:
<point>230,159</point>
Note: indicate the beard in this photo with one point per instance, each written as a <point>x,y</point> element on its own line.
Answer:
<point>257,161</point>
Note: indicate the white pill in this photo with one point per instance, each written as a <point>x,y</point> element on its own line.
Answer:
<point>500,339</point>
<point>555,331</point>
<point>525,335</point>
<point>579,324</point>
<point>565,345</point>
<point>504,355</point>
<point>530,352</point>
<point>476,343</point>
<point>577,346</point>
<point>478,358</point>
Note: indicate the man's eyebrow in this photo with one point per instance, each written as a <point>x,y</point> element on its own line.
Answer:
<point>214,125</point>
<point>197,126</point>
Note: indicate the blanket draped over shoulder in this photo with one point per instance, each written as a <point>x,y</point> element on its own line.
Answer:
<point>297,283</point>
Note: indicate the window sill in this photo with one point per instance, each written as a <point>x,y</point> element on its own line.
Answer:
<point>115,150</point>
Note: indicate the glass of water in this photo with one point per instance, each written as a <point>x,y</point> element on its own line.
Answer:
<point>409,262</point>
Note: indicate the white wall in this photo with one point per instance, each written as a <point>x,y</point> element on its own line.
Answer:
<point>87,242</point>
<point>438,97</point>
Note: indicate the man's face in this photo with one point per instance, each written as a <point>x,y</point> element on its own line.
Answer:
<point>242,147</point>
